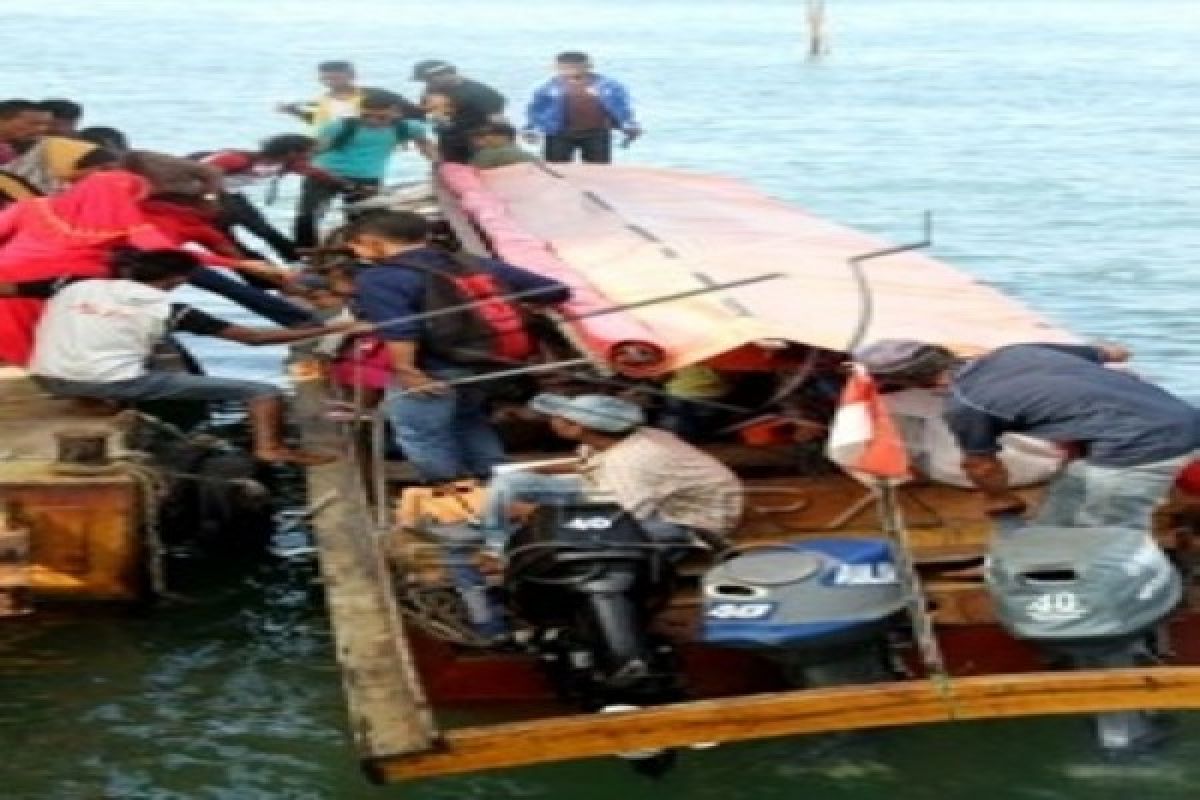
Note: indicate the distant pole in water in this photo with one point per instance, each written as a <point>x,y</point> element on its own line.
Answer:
<point>817,45</point>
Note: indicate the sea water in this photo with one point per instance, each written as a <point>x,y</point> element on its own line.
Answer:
<point>1055,141</point>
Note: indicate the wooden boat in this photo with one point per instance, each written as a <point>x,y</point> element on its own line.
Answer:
<point>620,235</point>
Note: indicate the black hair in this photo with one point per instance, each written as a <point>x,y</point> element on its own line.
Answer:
<point>286,144</point>
<point>335,66</point>
<point>403,227</point>
<point>99,157</point>
<point>925,366</point>
<point>15,107</point>
<point>496,129</point>
<point>573,57</point>
<point>63,109</point>
<point>108,138</point>
<point>381,98</point>
<point>151,266</point>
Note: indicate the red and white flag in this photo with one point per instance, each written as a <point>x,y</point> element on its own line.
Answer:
<point>863,439</point>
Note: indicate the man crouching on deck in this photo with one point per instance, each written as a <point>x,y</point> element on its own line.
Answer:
<point>96,336</point>
<point>1134,436</point>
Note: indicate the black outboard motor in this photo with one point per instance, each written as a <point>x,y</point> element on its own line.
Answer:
<point>587,578</point>
<point>1092,598</point>
<point>822,608</point>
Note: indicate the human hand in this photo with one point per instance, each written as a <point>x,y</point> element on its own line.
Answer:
<point>417,382</point>
<point>1003,503</point>
<point>632,133</point>
<point>1114,353</point>
<point>264,270</point>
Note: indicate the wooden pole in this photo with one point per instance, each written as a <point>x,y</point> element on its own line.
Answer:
<point>800,712</point>
<point>388,710</point>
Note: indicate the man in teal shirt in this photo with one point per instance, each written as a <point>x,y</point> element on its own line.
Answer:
<point>356,151</point>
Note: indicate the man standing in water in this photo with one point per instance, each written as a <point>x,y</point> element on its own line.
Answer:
<point>577,111</point>
<point>475,105</point>
<point>1134,436</point>
<point>343,98</point>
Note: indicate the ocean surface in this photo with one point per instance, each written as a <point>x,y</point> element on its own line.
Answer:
<point>1055,141</point>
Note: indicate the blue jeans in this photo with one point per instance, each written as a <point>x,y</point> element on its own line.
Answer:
<point>278,310</point>
<point>446,436</point>
<point>1088,496</point>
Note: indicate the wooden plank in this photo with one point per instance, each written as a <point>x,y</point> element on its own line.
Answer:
<point>388,710</point>
<point>800,712</point>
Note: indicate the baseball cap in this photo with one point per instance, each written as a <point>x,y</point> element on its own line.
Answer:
<point>424,70</point>
<point>597,412</point>
<point>903,357</point>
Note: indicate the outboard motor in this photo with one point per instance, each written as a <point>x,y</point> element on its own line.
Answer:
<point>1093,598</point>
<point>587,578</point>
<point>822,608</point>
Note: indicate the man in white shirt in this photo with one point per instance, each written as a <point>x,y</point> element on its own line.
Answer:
<point>672,488</point>
<point>95,338</point>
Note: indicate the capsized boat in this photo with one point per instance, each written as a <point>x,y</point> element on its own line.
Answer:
<point>765,643</point>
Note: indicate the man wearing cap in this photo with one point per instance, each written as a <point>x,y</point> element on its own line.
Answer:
<point>1134,436</point>
<point>672,488</point>
<point>476,104</point>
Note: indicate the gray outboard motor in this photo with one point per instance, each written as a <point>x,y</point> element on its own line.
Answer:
<point>1093,597</point>
<point>822,608</point>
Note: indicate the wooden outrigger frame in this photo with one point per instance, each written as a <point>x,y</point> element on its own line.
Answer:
<point>397,738</point>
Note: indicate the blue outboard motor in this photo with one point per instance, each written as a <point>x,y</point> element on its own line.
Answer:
<point>1092,598</point>
<point>822,608</point>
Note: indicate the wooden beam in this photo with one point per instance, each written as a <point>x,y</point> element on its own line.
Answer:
<point>388,710</point>
<point>799,712</point>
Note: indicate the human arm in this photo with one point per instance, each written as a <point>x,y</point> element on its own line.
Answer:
<point>186,319</point>
<point>978,434</point>
<point>428,148</point>
<point>39,289</point>
<point>619,105</point>
<point>518,279</point>
<point>298,110</point>
<point>536,113</point>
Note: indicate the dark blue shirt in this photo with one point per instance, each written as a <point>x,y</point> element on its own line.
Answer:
<point>1063,393</point>
<point>390,291</point>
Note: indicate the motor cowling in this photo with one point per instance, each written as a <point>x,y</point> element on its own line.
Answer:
<point>821,607</point>
<point>1080,585</point>
<point>1090,598</point>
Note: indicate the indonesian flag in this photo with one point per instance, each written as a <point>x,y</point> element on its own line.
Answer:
<point>863,439</point>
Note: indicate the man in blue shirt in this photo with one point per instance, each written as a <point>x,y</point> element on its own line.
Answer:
<point>443,429</point>
<point>1133,436</point>
<point>577,110</point>
<point>356,151</point>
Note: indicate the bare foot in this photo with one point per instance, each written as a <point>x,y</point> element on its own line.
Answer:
<point>304,458</point>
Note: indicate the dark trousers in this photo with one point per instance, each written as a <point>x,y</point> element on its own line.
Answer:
<point>595,147</point>
<point>316,197</point>
<point>272,307</point>
<point>238,212</point>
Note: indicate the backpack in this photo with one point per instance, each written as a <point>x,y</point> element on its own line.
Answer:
<point>493,331</point>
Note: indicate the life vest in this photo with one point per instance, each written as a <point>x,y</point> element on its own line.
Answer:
<point>492,331</point>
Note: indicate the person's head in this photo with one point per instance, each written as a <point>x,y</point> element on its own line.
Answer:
<point>336,76</point>
<point>22,121</point>
<point>573,65</point>
<point>287,148</point>
<point>439,105</point>
<point>436,74</point>
<point>589,418</point>
<point>378,235</point>
<point>380,108</point>
<point>907,363</point>
<point>64,115</point>
<point>494,134</point>
<point>164,269</point>
<point>110,139</point>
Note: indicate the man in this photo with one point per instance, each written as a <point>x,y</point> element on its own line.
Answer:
<point>443,429</point>
<point>285,154</point>
<point>577,111</point>
<point>64,116</point>
<point>1133,436</point>
<point>495,145</point>
<point>475,104</point>
<point>96,336</point>
<point>21,124</point>
<point>671,488</point>
<point>341,100</point>
<point>48,163</point>
<point>356,153</point>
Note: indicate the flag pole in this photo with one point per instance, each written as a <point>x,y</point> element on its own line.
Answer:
<point>891,520</point>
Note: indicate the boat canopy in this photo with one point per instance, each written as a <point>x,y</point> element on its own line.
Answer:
<point>625,234</point>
